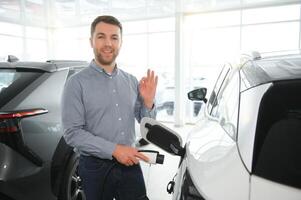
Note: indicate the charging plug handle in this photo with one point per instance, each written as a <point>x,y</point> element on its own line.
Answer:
<point>154,156</point>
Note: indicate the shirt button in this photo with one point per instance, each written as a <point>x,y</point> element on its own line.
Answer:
<point>119,118</point>
<point>114,90</point>
<point>122,133</point>
<point>116,104</point>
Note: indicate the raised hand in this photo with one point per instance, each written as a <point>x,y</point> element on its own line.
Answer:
<point>147,88</point>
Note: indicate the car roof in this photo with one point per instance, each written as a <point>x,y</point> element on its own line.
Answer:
<point>270,69</point>
<point>48,66</point>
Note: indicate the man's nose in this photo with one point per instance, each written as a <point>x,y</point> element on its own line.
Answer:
<point>108,42</point>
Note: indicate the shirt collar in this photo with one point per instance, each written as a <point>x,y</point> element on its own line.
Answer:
<point>101,69</point>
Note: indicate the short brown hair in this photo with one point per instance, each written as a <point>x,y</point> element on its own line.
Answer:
<point>106,19</point>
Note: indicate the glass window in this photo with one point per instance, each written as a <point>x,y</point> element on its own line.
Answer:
<point>35,11</point>
<point>264,2</point>
<point>165,24</point>
<point>72,43</point>
<point>7,77</point>
<point>134,54</point>
<point>10,9</point>
<point>86,51</point>
<point>212,103</point>
<point>209,20</point>
<point>150,44</point>
<point>65,8</point>
<point>10,29</point>
<point>277,147</point>
<point>36,50</point>
<point>209,5</point>
<point>35,32</point>
<point>271,37</point>
<point>11,46</point>
<point>271,14</point>
<point>227,101</point>
<point>161,59</point>
<point>13,82</point>
<point>210,40</point>
<point>92,7</point>
<point>135,27</point>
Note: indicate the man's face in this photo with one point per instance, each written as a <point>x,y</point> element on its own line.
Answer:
<point>106,43</point>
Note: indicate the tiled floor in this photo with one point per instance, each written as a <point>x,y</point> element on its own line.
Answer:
<point>157,176</point>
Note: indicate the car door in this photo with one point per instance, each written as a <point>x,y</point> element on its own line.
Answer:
<point>213,160</point>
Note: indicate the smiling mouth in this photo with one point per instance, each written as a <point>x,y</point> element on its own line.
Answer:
<point>107,52</point>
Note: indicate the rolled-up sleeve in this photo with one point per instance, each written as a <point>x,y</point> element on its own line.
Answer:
<point>142,111</point>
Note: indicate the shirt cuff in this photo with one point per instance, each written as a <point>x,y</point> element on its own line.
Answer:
<point>150,112</point>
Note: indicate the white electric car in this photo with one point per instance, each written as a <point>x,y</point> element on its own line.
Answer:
<point>247,144</point>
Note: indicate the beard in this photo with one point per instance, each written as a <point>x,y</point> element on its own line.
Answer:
<point>105,60</point>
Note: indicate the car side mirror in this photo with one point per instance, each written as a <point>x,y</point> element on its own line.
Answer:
<point>161,136</point>
<point>198,95</point>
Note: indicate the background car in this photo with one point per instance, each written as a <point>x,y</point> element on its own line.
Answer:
<point>35,161</point>
<point>247,144</point>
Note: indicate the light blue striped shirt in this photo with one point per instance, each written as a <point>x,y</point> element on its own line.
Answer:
<point>99,110</point>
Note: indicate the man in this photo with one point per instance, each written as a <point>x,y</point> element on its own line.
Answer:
<point>99,107</point>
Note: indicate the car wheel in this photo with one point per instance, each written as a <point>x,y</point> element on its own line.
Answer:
<point>71,188</point>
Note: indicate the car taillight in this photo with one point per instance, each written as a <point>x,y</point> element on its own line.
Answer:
<point>9,120</point>
<point>11,133</point>
<point>22,113</point>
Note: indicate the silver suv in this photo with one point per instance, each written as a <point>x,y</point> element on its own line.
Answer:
<point>35,161</point>
<point>247,144</point>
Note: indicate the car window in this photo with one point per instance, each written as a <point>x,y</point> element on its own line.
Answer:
<point>281,165</point>
<point>212,100</point>
<point>225,107</point>
<point>12,82</point>
<point>277,148</point>
<point>228,101</point>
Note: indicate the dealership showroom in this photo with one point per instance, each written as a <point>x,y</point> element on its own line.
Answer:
<point>156,99</point>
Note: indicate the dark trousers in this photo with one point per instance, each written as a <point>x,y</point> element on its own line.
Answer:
<point>104,179</point>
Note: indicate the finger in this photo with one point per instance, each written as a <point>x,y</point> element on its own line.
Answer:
<point>148,73</point>
<point>124,162</point>
<point>142,156</point>
<point>128,163</point>
<point>142,81</point>
<point>152,76</point>
<point>156,81</point>
<point>134,160</point>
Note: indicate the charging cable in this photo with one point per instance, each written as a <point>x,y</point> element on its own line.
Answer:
<point>171,185</point>
<point>154,157</point>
